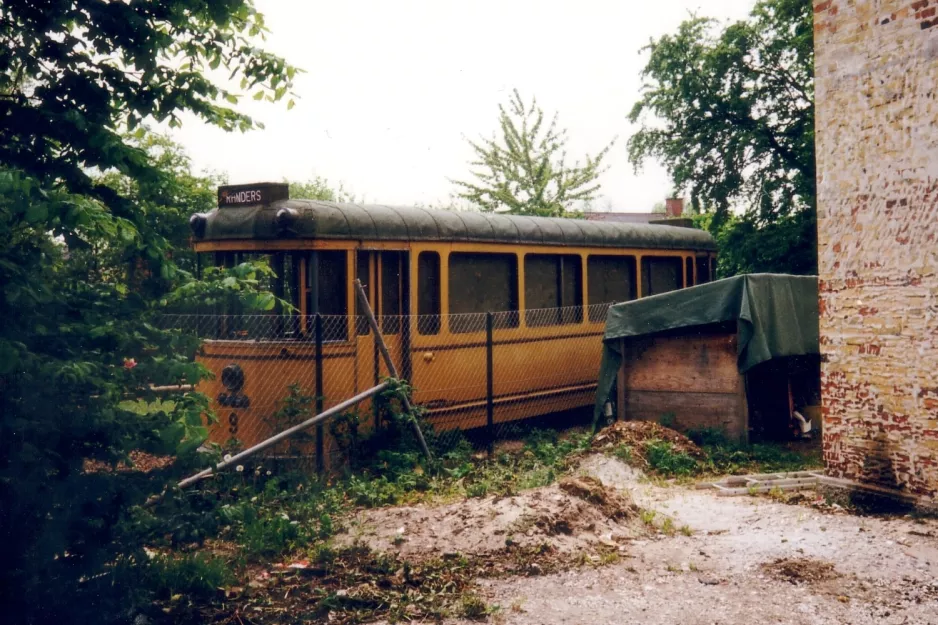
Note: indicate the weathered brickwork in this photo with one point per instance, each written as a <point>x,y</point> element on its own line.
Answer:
<point>877,156</point>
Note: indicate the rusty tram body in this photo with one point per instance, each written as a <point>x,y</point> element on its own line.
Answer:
<point>447,288</point>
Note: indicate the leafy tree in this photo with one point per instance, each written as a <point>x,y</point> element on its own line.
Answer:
<point>319,188</point>
<point>733,113</point>
<point>168,204</point>
<point>524,171</point>
<point>80,347</point>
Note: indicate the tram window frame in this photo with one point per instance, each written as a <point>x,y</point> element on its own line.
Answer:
<point>336,260</point>
<point>649,264</point>
<point>559,285</point>
<point>688,272</point>
<point>469,303</point>
<point>597,272</point>
<point>363,273</point>
<point>429,292</point>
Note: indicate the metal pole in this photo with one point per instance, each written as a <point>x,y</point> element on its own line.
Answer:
<point>276,438</point>
<point>489,381</point>
<point>320,460</point>
<point>366,307</point>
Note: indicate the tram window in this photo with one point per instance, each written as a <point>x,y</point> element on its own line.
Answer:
<point>287,287</point>
<point>553,293</point>
<point>703,269</point>
<point>688,272</point>
<point>609,279</point>
<point>661,274</point>
<point>428,293</point>
<point>331,282</point>
<point>391,289</point>
<point>481,283</point>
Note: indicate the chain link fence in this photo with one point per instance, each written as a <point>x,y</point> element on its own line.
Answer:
<point>491,375</point>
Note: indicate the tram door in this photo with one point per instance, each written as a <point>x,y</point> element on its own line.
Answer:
<point>384,275</point>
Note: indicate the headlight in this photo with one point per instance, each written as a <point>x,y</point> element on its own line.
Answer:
<point>232,378</point>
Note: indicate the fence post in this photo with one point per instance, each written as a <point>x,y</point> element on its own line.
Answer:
<point>320,461</point>
<point>489,385</point>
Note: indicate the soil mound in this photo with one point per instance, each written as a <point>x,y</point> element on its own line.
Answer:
<point>614,504</point>
<point>636,434</point>
<point>571,517</point>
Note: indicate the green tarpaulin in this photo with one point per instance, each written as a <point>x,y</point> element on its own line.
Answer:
<point>776,315</point>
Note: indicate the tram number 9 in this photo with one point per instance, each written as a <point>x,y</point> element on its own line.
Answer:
<point>233,423</point>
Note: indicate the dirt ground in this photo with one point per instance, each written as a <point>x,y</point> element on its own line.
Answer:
<point>575,515</point>
<point>747,559</point>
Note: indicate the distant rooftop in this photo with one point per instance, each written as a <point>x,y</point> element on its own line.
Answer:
<point>673,210</point>
<point>630,218</point>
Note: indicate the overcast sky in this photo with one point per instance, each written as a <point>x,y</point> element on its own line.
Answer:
<point>392,88</point>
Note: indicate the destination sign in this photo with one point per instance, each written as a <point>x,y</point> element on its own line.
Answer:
<point>252,194</point>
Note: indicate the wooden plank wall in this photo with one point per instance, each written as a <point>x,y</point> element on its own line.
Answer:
<point>692,377</point>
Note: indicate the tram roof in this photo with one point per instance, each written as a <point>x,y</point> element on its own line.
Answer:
<point>311,219</point>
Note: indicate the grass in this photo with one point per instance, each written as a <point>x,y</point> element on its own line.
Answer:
<point>193,574</point>
<point>722,457</point>
<point>276,518</point>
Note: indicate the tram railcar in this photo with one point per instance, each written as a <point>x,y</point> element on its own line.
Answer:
<point>432,277</point>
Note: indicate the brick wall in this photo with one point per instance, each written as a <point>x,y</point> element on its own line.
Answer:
<point>877,154</point>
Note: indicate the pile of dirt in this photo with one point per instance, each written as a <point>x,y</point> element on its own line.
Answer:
<point>800,570</point>
<point>573,516</point>
<point>614,504</point>
<point>635,434</point>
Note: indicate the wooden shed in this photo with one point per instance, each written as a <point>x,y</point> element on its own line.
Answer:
<point>736,355</point>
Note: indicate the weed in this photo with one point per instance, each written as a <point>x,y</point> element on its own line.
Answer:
<point>672,568</point>
<point>667,527</point>
<point>196,574</point>
<point>623,453</point>
<point>777,494</point>
<point>663,459</point>
<point>648,517</point>
<point>473,607</point>
<point>726,458</point>
<point>686,530</point>
<point>294,408</point>
<point>692,567</point>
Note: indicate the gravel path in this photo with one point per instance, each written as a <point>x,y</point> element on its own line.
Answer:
<point>885,570</point>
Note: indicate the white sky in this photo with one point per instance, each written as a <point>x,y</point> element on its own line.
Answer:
<point>392,88</point>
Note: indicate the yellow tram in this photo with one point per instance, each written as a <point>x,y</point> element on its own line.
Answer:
<point>475,308</point>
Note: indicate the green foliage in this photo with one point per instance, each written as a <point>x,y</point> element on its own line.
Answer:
<point>75,72</point>
<point>89,219</point>
<point>295,408</point>
<point>474,607</point>
<point>524,171</point>
<point>193,574</point>
<point>319,188</point>
<point>758,458</point>
<point>269,516</point>
<point>663,460</point>
<point>733,122</point>
<point>721,457</point>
